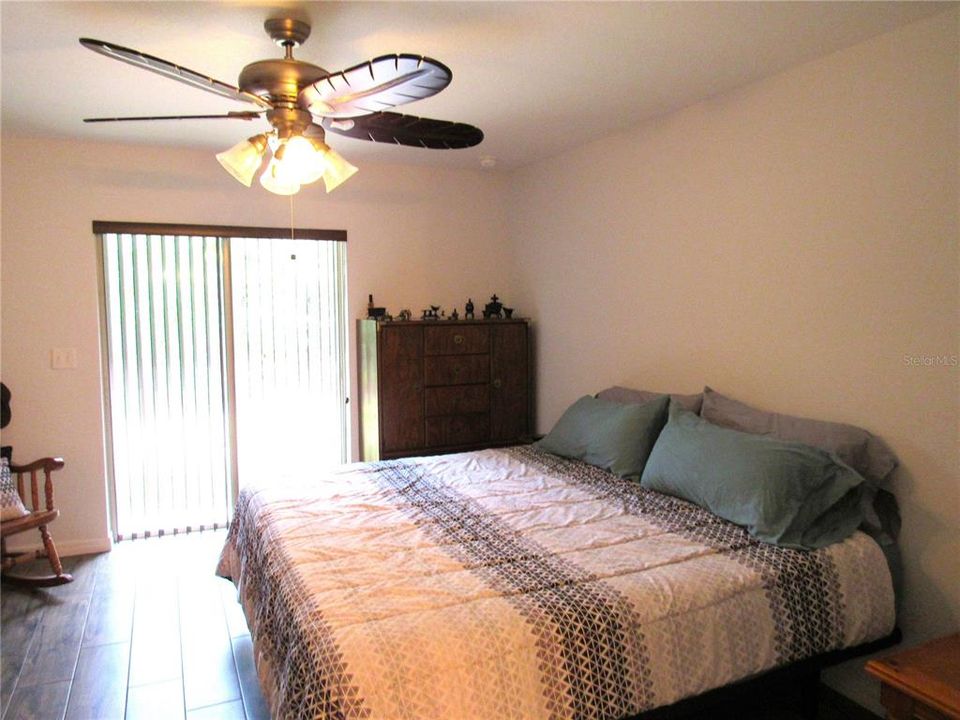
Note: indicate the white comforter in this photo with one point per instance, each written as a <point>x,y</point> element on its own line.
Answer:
<point>511,583</point>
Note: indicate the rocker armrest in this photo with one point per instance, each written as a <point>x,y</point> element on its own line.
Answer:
<point>49,463</point>
<point>48,466</point>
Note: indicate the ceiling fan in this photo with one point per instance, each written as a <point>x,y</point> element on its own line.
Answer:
<point>302,101</point>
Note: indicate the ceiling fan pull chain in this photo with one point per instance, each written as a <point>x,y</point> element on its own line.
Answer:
<point>291,218</point>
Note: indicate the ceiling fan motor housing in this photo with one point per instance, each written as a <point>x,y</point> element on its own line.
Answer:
<point>279,80</point>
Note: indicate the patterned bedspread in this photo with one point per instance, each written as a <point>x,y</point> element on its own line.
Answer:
<point>515,584</point>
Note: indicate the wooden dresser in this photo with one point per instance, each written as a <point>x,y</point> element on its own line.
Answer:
<point>436,386</point>
<point>921,683</point>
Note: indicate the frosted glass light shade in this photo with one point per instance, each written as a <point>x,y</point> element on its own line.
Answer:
<point>276,181</point>
<point>303,160</point>
<point>245,158</point>
<point>338,170</point>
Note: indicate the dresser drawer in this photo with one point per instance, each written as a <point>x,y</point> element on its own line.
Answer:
<point>459,340</point>
<point>456,399</point>
<point>457,429</point>
<point>456,369</point>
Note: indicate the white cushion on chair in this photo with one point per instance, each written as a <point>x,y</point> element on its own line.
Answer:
<point>11,506</point>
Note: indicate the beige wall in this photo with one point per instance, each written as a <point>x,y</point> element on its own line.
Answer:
<point>790,244</point>
<point>415,236</point>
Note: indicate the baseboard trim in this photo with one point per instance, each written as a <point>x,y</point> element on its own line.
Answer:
<point>844,706</point>
<point>85,547</point>
<point>69,548</point>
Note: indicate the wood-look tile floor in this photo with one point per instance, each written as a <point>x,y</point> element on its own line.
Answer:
<point>145,631</point>
<point>148,631</point>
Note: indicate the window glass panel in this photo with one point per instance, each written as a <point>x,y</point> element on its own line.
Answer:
<point>289,334</point>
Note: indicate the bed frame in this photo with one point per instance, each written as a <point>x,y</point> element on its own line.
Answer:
<point>797,684</point>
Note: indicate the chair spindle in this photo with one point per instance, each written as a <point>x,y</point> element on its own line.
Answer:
<point>34,491</point>
<point>48,488</point>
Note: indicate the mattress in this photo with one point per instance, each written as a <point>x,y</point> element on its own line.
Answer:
<point>512,583</point>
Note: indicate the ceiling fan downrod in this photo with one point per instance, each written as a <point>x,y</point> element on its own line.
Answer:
<point>278,80</point>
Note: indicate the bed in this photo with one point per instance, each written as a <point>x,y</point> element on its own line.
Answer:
<point>517,584</point>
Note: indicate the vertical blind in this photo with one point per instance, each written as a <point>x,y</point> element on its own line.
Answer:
<point>289,338</point>
<point>213,341</point>
<point>167,391</point>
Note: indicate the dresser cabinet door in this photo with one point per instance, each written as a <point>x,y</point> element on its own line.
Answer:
<point>509,401</point>
<point>401,388</point>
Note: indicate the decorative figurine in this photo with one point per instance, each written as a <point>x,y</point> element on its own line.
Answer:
<point>507,313</point>
<point>468,310</point>
<point>374,312</point>
<point>432,314</point>
<point>492,309</point>
<point>405,315</point>
<point>454,315</point>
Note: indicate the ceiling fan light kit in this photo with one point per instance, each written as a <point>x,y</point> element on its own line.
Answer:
<point>277,180</point>
<point>245,158</point>
<point>338,169</point>
<point>301,101</point>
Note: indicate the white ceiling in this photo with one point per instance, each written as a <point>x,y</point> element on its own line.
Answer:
<point>537,77</point>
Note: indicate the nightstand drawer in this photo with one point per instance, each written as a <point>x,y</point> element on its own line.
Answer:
<point>457,429</point>
<point>459,340</point>
<point>456,369</point>
<point>456,400</point>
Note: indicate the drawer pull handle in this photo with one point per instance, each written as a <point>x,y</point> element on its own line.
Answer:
<point>458,339</point>
<point>497,382</point>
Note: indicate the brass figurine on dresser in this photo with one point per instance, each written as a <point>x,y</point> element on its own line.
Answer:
<point>429,388</point>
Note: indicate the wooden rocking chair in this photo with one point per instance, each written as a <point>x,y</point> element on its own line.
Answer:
<point>38,518</point>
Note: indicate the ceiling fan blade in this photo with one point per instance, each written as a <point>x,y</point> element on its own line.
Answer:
<point>172,71</point>
<point>390,127</point>
<point>235,115</point>
<point>376,85</point>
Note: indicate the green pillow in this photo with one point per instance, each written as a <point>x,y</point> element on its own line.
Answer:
<point>607,434</point>
<point>784,493</point>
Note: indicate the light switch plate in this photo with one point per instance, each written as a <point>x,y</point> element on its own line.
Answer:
<point>63,358</point>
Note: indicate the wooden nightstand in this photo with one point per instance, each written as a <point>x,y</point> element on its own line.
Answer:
<point>922,682</point>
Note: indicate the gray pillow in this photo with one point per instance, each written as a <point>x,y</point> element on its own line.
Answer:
<point>629,395</point>
<point>11,506</point>
<point>784,493</point>
<point>865,453</point>
<point>606,434</point>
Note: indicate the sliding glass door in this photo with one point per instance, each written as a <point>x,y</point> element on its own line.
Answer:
<point>289,339</point>
<point>226,365</point>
